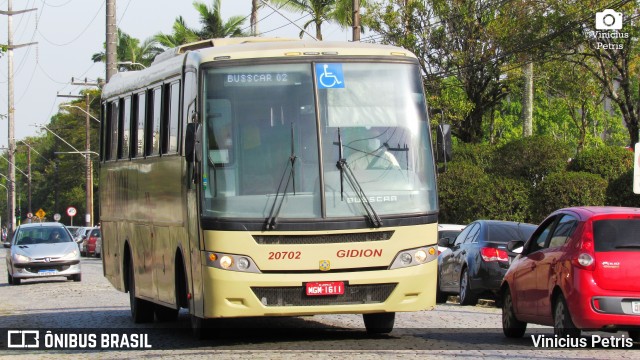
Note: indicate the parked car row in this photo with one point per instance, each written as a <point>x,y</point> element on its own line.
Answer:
<point>576,271</point>
<point>89,240</point>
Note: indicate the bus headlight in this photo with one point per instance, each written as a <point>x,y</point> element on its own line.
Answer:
<point>231,262</point>
<point>226,262</point>
<point>413,257</point>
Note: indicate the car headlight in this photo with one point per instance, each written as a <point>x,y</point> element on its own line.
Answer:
<point>20,258</point>
<point>70,256</point>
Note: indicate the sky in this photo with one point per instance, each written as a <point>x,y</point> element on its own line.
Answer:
<point>69,32</point>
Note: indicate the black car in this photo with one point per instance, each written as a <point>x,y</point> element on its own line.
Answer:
<point>478,259</point>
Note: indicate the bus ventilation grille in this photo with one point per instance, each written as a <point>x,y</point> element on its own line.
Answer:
<point>323,239</point>
<point>296,296</point>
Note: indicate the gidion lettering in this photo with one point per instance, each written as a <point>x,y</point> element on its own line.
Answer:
<point>355,253</point>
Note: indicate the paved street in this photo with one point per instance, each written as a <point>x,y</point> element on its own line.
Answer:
<point>449,331</point>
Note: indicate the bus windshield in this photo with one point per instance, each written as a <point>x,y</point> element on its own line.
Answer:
<point>277,133</point>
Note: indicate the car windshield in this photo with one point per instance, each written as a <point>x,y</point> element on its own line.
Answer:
<point>42,235</point>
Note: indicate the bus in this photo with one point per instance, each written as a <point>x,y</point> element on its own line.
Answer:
<point>256,177</point>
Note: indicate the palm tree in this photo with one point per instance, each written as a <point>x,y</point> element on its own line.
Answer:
<point>182,34</point>
<point>212,24</point>
<point>320,11</point>
<point>212,27</point>
<point>130,49</point>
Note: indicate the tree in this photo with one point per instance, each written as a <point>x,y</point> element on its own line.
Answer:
<point>130,49</point>
<point>452,38</point>
<point>181,34</point>
<point>319,10</point>
<point>212,24</point>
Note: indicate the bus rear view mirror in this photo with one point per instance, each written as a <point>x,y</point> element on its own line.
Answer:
<point>192,148</point>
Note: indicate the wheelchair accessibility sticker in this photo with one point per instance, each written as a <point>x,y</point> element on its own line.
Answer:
<point>329,76</point>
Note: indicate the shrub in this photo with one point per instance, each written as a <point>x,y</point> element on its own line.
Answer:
<point>478,154</point>
<point>461,190</point>
<point>620,191</point>
<point>509,199</point>
<point>566,188</point>
<point>610,162</point>
<point>531,158</point>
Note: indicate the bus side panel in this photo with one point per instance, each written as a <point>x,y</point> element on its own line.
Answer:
<point>143,261</point>
<point>163,253</point>
<point>194,256</point>
<point>111,256</point>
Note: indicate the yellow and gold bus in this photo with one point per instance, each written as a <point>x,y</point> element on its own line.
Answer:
<point>249,177</point>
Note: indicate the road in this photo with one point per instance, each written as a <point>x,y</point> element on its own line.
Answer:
<point>94,307</point>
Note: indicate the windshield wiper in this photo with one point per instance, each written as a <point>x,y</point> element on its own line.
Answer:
<point>628,246</point>
<point>271,222</point>
<point>345,171</point>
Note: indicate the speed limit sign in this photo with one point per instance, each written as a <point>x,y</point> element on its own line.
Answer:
<point>71,211</point>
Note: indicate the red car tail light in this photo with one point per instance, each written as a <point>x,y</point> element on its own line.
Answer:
<point>493,254</point>
<point>586,249</point>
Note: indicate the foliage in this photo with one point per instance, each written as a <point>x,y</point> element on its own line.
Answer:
<point>610,162</point>
<point>531,158</point>
<point>620,191</point>
<point>461,190</point>
<point>481,155</point>
<point>509,199</point>
<point>566,188</point>
<point>130,49</point>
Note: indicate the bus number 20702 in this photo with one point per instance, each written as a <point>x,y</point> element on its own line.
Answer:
<point>281,255</point>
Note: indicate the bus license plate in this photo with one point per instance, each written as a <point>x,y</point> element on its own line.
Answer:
<point>325,288</point>
<point>47,272</point>
<point>635,307</point>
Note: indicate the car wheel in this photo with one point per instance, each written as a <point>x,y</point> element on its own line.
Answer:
<point>563,326</point>
<point>466,295</point>
<point>634,335</point>
<point>16,281</point>
<point>441,297</point>
<point>9,278</point>
<point>511,326</point>
<point>76,277</point>
<point>379,323</point>
<point>141,310</point>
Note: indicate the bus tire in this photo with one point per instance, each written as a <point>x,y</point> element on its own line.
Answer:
<point>379,323</point>
<point>141,310</point>
<point>198,327</point>
<point>165,314</point>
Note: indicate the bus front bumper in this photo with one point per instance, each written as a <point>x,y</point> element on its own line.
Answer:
<point>239,294</point>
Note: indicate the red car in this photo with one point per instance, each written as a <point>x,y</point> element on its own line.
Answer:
<point>578,271</point>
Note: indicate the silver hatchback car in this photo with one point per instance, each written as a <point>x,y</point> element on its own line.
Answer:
<point>42,250</point>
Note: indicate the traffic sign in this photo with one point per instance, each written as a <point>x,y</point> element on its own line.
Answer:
<point>41,214</point>
<point>56,217</point>
<point>71,211</point>
<point>29,215</point>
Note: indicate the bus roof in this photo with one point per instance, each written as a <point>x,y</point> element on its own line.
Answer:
<point>170,62</point>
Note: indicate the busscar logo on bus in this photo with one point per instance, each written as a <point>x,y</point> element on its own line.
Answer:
<point>373,199</point>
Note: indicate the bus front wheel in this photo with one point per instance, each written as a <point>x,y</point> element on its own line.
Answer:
<point>380,323</point>
<point>141,310</point>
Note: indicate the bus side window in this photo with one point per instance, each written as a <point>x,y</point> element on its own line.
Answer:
<point>139,124</point>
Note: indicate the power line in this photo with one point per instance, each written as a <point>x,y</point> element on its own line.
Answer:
<point>79,35</point>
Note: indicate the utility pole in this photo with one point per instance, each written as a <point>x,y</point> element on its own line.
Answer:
<point>11,193</point>
<point>112,38</point>
<point>356,21</point>
<point>254,17</point>
<point>87,156</point>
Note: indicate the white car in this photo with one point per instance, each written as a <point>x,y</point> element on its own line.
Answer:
<point>41,250</point>
<point>450,231</point>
